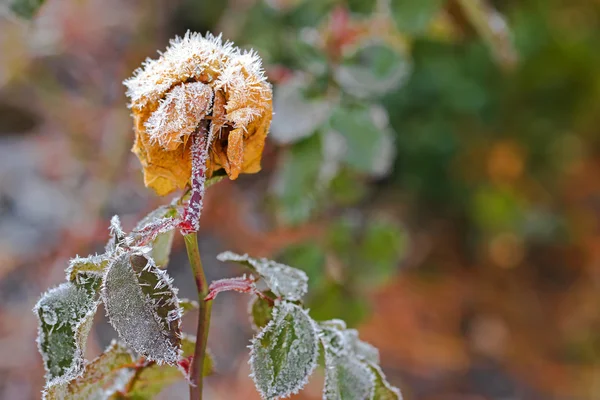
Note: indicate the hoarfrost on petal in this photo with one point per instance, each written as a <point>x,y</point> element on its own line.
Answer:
<point>284,281</point>
<point>179,114</point>
<point>284,354</point>
<point>142,306</point>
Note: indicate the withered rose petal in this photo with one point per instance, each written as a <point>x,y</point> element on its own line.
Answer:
<point>199,78</point>
<point>164,171</point>
<point>179,114</point>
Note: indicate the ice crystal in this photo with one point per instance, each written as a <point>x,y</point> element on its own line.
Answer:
<point>65,314</point>
<point>117,235</point>
<point>284,353</point>
<point>284,281</point>
<point>142,306</point>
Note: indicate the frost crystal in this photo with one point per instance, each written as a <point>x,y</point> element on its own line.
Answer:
<point>143,307</point>
<point>284,353</point>
<point>284,281</point>
<point>65,315</point>
<point>117,235</point>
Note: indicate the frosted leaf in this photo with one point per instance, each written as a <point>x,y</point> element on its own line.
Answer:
<point>65,315</point>
<point>374,70</point>
<point>79,267</point>
<point>284,281</point>
<point>383,390</point>
<point>297,116</point>
<point>142,306</point>
<point>261,311</point>
<point>363,350</point>
<point>346,375</point>
<point>154,378</point>
<point>157,228</point>
<point>346,378</point>
<point>117,235</point>
<point>284,353</point>
<point>103,377</point>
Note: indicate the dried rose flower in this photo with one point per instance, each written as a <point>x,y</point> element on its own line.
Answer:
<point>199,81</point>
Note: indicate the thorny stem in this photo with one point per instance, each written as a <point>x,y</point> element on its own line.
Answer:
<point>196,371</point>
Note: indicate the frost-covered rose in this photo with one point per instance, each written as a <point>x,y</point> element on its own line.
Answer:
<point>199,81</point>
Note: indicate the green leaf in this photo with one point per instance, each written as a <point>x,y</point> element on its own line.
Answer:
<point>383,246</point>
<point>296,182</point>
<point>65,316</point>
<point>383,389</point>
<point>143,307</point>
<point>154,378</point>
<point>372,70</point>
<point>369,141</point>
<point>297,116</point>
<point>26,8</point>
<point>284,353</point>
<point>346,377</point>
<point>261,311</point>
<point>103,376</point>
<point>161,246</point>
<point>413,16</point>
<point>362,6</point>
<point>284,281</point>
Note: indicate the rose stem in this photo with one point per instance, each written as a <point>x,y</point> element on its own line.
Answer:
<point>191,244</point>
<point>189,226</point>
